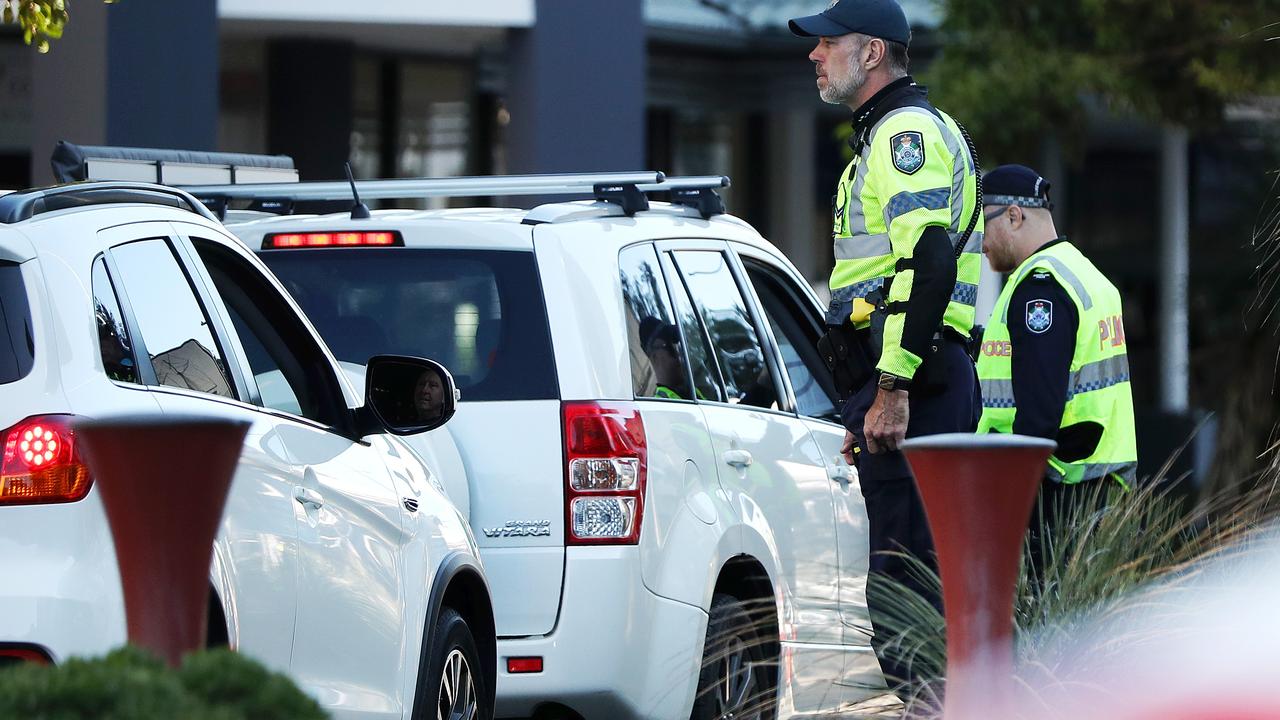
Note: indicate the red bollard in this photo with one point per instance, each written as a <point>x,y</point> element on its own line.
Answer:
<point>163,482</point>
<point>978,491</point>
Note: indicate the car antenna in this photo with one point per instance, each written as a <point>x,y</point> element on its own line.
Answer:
<point>359,211</point>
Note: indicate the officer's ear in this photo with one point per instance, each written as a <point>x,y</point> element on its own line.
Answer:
<point>1016,217</point>
<point>874,52</point>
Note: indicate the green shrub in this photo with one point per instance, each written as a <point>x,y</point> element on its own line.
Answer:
<point>131,684</point>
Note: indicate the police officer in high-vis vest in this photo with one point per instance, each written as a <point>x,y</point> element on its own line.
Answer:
<point>1053,360</point>
<point>907,230</point>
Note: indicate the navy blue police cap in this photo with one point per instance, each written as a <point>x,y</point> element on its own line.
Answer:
<point>878,18</point>
<point>651,329</point>
<point>1015,185</point>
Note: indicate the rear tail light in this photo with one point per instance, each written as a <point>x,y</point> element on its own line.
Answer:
<point>380,238</point>
<point>605,468</point>
<point>40,464</point>
<point>15,654</point>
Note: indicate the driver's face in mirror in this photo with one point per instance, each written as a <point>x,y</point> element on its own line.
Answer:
<point>428,397</point>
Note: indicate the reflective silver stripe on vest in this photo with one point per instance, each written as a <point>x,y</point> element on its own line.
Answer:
<point>959,171</point>
<point>842,299</point>
<point>997,394</point>
<point>1128,472</point>
<point>973,245</point>
<point>904,202</point>
<point>1099,375</point>
<point>1061,269</point>
<point>861,247</point>
<point>1092,376</point>
<point>853,204</point>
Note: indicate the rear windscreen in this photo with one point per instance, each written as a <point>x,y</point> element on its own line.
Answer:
<point>17,346</point>
<point>480,313</point>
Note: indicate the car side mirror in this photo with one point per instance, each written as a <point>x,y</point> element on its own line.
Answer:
<point>408,395</point>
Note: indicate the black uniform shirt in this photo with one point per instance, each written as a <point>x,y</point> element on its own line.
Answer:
<point>1042,325</point>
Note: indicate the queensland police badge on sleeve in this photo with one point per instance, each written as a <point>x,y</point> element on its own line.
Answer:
<point>908,151</point>
<point>1039,316</point>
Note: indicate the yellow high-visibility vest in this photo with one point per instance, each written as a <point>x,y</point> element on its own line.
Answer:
<point>1098,390</point>
<point>914,171</point>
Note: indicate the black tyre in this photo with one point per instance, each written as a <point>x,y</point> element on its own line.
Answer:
<point>455,684</point>
<point>736,680</point>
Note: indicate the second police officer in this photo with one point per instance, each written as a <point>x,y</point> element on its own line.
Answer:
<point>907,230</point>
<point>1053,361</point>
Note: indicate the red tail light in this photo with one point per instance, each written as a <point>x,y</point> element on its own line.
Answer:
<point>605,471</point>
<point>40,463</point>
<point>381,238</point>
<point>14,653</point>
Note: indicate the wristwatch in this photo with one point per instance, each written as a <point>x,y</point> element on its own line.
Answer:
<point>891,382</point>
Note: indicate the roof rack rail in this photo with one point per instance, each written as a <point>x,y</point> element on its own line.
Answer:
<point>400,188</point>
<point>26,204</point>
<point>628,190</point>
<point>695,191</point>
<point>73,162</point>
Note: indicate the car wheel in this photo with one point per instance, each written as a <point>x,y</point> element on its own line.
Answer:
<point>735,680</point>
<point>455,678</point>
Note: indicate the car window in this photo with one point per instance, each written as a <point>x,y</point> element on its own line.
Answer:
<point>173,326</point>
<point>113,337</point>
<point>478,312</point>
<point>658,365</point>
<point>797,336</point>
<point>288,366</point>
<point>17,346</point>
<point>723,312</point>
<point>702,365</point>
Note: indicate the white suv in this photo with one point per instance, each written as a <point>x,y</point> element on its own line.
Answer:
<point>650,437</point>
<point>339,559</point>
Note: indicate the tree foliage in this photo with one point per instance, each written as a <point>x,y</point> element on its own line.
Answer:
<point>1011,72</point>
<point>40,20</point>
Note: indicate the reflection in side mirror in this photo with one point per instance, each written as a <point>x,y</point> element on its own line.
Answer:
<point>408,394</point>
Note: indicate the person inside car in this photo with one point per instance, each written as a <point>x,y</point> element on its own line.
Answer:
<point>428,397</point>
<point>661,343</point>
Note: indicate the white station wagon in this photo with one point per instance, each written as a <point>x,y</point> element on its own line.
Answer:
<point>650,439</point>
<point>340,560</point>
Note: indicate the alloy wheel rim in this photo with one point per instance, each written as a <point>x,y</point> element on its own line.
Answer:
<point>457,696</point>
<point>737,678</point>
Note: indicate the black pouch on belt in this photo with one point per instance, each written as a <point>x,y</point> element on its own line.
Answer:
<point>931,377</point>
<point>845,355</point>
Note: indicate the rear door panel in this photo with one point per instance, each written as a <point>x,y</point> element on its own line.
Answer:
<point>515,465</point>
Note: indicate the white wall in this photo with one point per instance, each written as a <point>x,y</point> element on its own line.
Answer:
<point>484,13</point>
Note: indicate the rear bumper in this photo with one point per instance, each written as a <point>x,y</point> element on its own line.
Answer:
<point>61,589</point>
<point>618,651</point>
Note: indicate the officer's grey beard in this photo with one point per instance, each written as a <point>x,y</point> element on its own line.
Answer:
<point>840,91</point>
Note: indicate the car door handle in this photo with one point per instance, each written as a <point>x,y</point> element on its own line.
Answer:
<point>840,471</point>
<point>308,497</point>
<point>737,458</point>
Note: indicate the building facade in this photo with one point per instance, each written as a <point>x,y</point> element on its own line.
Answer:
<point>684,86</point>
